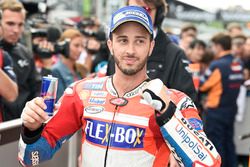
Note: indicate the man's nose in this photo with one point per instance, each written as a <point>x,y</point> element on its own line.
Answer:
<point>130,49</point>
<point>16,28</point>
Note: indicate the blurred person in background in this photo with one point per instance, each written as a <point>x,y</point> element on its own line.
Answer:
<point>167,62</point>
<point>97,52</point>
<point>43,57</point>
<point>238,42</point>
<point>65,69</point>
<point>195,53</point>
<point>44,40</point>
<point>246,58</point>
<point>28,80</point>
<point>234,29</point>
<point>187,35</point>
<point>8,86</point>
<point>222,82</point>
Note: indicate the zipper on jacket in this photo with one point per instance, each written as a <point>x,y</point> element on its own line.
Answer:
<point>111,129</point>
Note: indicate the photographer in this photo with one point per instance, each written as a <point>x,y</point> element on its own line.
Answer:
<point>69,47</point>
<point>43,41</point>
<point>95,43</point>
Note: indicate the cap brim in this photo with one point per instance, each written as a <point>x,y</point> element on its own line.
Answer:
<point>132,20</point>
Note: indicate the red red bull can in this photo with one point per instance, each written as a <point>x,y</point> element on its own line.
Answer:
<point>48,92</point>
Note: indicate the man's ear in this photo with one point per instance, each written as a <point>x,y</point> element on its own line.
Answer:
<point>152,44</point>
<point>110,46</point>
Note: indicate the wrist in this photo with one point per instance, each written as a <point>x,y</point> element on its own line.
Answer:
<point>166,114</point>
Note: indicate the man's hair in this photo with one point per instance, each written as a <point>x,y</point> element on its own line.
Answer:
<point>233,25</point>
<point>12,5</point>
<point>223,40</point>
<point>197,42</point>
<point>188,27</point>
<point>241,36</point>
<point>161,10</point>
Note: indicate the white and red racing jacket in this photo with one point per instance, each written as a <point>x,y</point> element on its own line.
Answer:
<point>120,131</point>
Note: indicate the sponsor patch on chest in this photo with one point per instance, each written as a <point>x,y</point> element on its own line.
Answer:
<point>116,135</point>
<point>94,109</point>
<point>99,101</point>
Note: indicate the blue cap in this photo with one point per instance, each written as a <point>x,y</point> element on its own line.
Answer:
<point>131,13</point>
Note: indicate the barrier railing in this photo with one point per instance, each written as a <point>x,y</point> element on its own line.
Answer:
<point>9,136</point>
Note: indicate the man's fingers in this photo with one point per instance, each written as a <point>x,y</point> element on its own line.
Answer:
<point>35,110</point>
<point>38,102</point>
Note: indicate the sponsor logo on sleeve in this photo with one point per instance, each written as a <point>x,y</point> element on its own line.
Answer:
<point>121,136</point>
<point>196,124</point>
<point>185,103</point>
<point>35,158</point>
<point>193,144</point>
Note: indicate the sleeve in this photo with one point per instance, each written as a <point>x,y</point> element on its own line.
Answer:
<point>211,77</point>
<point>41,145</point>
<point>181,79</point>
<point>8,66</point>
<point>182,130</point>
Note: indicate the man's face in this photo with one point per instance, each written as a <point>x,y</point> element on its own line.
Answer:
<point>247,48</point>
<point>131,47</point>
<point>149,7</point>
<point>197,53</point>
<point>216,49</point>
<point>12,25</point>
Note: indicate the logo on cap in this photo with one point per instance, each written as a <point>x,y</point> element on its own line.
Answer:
<point>131,13</point>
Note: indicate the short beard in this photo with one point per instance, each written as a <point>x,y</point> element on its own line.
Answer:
<point>131,72</point>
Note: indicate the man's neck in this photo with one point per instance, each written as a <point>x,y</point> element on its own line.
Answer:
<point>223,53</point>
<point>125,83</point>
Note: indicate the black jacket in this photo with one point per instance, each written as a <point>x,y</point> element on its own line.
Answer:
<point>28,80</point>
<point>166,63</point>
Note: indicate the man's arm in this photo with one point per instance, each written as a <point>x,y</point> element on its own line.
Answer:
<point>8,87</point>
<point>39,141</point>
<point>181,126</point>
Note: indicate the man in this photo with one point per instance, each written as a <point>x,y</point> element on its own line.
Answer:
<point>187,35</point>
<point>238,46</point>
<point>168,61</point>
<point>13,16</point>
<point>120,127</point>
<point>195,54</point>
<point>234,29</point>
<point>246,58</point>
<point>222,82</point>
<point>8,86</point>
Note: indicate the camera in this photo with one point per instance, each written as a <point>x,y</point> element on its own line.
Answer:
<point>62,47</point>
<point>98,35</point>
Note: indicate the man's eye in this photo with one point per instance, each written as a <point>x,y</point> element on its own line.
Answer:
<point>122,40</point>
<point>139,41</point>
